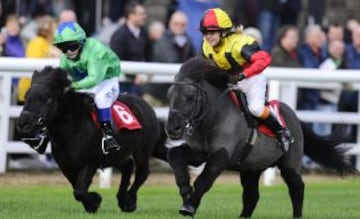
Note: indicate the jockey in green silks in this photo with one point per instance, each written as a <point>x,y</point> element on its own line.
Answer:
<point>94,68</point>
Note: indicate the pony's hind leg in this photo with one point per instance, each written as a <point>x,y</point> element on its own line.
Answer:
<point>126,172</point>
<point>296,189</point>
<point>141,160</point>
<point>90,200</point>
<point>250,196</point>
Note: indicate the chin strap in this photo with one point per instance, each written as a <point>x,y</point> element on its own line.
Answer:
<point>38,142</point>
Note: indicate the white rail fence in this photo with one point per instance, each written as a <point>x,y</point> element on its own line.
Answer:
<point>283,85</point>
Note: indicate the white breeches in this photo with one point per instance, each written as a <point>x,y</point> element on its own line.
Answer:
<point>254,88</point>
<point>106,92</point>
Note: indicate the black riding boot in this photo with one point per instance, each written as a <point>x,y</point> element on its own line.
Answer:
<point>283,135</point>
<point>109,143</point>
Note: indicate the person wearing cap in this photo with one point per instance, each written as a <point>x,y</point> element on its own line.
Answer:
<point>240,56</point>
<point>93,68</point>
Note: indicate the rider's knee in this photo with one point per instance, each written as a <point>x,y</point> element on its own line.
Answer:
<point>102,101</point>
<point>256,110</point>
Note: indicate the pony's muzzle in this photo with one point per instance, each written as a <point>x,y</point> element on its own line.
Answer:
<point>174,132</point>
<point>25,124</point>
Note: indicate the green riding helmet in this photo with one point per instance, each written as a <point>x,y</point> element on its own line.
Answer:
<point>69,32</point>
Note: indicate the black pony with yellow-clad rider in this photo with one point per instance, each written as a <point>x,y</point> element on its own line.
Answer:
<point>242,58</point>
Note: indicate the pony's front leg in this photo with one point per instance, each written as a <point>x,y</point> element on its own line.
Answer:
<point>215,164</point>
<point>178,159</point>
<point>90,200</point>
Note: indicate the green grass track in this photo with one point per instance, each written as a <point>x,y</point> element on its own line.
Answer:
<point>329,200</point>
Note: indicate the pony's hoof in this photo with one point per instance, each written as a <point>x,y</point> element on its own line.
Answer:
<point>126,202</point>
<point>244,216</point>
<point>93,202</point>
<point>128,208</point>
<point>187,210</point>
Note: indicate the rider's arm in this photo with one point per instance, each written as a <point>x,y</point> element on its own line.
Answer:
<point>257,59</point>
<point>96,73</point>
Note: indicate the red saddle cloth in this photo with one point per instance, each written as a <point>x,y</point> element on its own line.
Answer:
<point>122,116</point>
<point>274,106</point>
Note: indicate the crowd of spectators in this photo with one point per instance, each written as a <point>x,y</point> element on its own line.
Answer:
<point>127,30</point>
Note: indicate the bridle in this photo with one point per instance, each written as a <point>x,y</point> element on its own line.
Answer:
<point>41,123</point>
<point>42,119</point>
<point>198,113</point>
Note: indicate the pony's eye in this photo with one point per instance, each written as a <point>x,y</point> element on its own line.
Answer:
<point>190,98</point>
<point>43,98</point>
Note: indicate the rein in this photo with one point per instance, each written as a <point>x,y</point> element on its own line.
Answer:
<point>197,114</point>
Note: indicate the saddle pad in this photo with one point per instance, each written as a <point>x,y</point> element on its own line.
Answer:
<point>274,106</point>
<point>123,117</point>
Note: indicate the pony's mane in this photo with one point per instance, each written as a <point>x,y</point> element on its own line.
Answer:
<point>49,76</point>
<point>55,80</point>
<point>199,68</point>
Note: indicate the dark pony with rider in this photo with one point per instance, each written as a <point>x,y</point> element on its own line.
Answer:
<point>68,120</point>
<point>205,112</point>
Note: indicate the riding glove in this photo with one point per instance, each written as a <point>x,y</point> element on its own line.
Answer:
<point>74,85</point>
<point>71,87</point>
<point>236,78</point>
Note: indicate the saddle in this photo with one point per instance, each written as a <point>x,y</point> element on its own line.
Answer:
<point>253,122</point>
<point>122,117</point>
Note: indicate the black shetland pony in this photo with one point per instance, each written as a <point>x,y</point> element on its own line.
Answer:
<point>76,139</point>
<point>216,132</point>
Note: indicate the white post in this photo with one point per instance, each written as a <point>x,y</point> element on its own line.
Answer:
<point>269,176</point>
<point>105,178</point>
<point>5,86</point>
<point>357,162</point>
<point>288,94</point>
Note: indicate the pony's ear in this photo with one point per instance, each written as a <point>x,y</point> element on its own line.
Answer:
<point>35,73</point>
<point>34,76</point>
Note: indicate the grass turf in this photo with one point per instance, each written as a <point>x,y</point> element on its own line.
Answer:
<point>329,200</point>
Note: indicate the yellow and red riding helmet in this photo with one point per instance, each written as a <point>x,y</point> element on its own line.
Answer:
<point>215,19</point>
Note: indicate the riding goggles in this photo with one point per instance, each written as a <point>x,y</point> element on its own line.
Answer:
<point>72,46</point>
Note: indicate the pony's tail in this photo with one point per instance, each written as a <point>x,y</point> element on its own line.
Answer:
<point>326,150</point>
<point>161,151</point>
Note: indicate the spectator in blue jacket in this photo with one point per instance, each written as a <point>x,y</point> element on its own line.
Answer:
<point>12,46</point>
<point>349,98</point>
<point>311,57</point>
<point>353,50</point>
